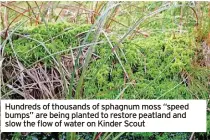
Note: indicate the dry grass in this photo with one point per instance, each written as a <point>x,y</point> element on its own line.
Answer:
<point>39,81</point>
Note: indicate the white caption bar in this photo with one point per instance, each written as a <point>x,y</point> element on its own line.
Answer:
<point>103,115</point>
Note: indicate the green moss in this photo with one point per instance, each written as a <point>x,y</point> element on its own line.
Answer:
<point>40,42</point>
<point>155,64</point>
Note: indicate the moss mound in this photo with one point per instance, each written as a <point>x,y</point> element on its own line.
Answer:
<point>159,66</point>
<point>34,43</point>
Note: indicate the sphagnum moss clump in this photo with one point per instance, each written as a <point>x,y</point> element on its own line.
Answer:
<point>155,66</point>
<point>34,43</point>
<point>159,66</point>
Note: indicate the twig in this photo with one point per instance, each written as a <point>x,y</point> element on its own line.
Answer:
<point>192,136</point>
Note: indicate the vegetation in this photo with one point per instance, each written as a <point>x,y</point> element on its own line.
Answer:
<point>105,50</point>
